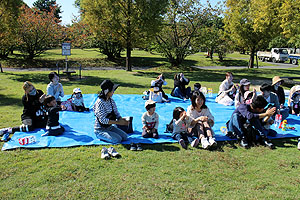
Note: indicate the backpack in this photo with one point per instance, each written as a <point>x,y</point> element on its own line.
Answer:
<point>250,134</point>
<point>169,127</point>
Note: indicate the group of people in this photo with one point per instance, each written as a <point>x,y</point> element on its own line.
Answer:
<point>188,127</point>
<point>41,110</point>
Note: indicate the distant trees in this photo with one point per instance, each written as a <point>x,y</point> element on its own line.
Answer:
<point>9,12</point>
<point>127,21</point>
<point>47,5</point>
<point>37,32</point>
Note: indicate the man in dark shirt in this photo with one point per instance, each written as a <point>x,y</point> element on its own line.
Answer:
<point>252,113</point>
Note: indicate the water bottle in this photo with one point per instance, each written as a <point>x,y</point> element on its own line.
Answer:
<point>210,92</point>
<point>27,140</point>
<point>278,119</point>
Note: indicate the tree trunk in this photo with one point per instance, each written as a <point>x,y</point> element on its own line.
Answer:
<point>251,60</point>
<point>128,42</point>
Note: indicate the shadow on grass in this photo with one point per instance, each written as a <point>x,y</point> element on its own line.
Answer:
<point>282,143</point>
<point>6,100</point>
<point>156,147</point>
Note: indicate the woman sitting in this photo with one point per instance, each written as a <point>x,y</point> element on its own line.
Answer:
<point>107,113</point>
<point>179,89</point>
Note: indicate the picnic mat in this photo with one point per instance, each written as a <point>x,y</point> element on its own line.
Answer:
<point>80,126</point>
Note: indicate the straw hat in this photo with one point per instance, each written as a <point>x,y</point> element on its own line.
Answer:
<point>276,79</point>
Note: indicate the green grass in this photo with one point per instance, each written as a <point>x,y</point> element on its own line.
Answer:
<point>140,58</point>
<point>161,171</point>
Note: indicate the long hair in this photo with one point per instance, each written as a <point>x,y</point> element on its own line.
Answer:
<point>195,95</point>
<point>26,85</point>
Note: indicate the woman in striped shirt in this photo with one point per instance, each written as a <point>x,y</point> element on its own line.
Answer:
<point>107,113</point>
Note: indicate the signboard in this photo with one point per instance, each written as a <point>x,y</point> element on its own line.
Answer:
<point>66,49</point>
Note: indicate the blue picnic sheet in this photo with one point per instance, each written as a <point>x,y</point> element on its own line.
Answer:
<point>80,126</point>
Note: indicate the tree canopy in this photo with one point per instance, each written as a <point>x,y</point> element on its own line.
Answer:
<point>127,21</point>
<point>47,5</point>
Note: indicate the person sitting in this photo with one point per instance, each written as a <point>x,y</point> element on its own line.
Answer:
<point>202,129</point>
<point>227,91</point>
<point>55,88</point>
<point>277,89</point>
<point>159,82</point>
<point>272,98</point>
<point>294,100</point>
<point>53,127</point>
<point>150,121</point>
<point>106,112</point>
<point>179,89</point>
<point>244,86</point>
<point>156,95</point>
<point>77,101</point>
<point>252,113</point>
<point>34,114</point>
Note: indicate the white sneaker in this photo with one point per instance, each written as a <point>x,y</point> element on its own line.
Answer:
<point>205,143</point>
<point>111,151</point>
<point>212,141</point>
<point>298,147</point>
<point>195,142</point>
<point>4,130</point>
<point>104,153</point>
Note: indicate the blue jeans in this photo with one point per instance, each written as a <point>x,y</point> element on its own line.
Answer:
<point>284,112</point>
<point>178,93</point>
<point>184,136</point>
<point>111,134</point>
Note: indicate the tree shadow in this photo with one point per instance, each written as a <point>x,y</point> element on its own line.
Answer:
<point>157,147</point>
<point>7,100</point>
<point>69,133</point>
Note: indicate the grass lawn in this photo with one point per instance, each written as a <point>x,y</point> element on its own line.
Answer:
<point>140,58</point>
<point>161,171</point>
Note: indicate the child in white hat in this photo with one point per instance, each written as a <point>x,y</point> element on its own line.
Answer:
<point>77,101</point>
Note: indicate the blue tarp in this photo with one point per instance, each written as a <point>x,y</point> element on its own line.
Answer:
<point>80,126</point>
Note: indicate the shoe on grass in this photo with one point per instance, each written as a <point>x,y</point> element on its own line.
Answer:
<point>5,137</point>
<point>212,142</point>
<point>104,153</point>
<point>112,152</point>
<point>132,147</point>
<point>182,143</point>
<point>4,130</point>
<point>298,147</point>
<point>139,147</point>
<point>195,142</point>
<point>204,142</point>
<point>244,143</point>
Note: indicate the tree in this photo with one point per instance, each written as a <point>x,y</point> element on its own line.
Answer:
<point>38,31</point>
<point>290,21</point>
<point>47,5</point>
<point>252,24</point>
<point>178,37</point>
<point>9,12</point>
<point>128,21</point>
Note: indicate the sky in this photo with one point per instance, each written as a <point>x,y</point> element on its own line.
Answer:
<point>67,7</point>
<point>69,10</point>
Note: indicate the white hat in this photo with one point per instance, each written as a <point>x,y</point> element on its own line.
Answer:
<point>76,90</point>
<point>297,88</point>
<point>149,102</point>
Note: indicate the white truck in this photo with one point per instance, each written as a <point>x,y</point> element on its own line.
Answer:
<point>276,55</point>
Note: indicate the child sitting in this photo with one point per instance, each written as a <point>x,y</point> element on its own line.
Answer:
<point>55,88</point>
<point>181,123</point>
<point>295,103</point>
<point>53,127</point>
<point>156,95</point>
<point>77,101</point>
<point>150,121</point>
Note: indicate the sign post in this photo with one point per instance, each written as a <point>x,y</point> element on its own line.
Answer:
<point>66,51</point>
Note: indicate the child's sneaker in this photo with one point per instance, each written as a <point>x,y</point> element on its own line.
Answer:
<point>205,143</point>
<point>195,142</point>
<point>212,142</point>
<point>182,143</point>
<point>4,130</point>
<point>104,153</point>
<point>139,147</point>
<point>132,147</point>
<point>298,147</point>
<point>5,137</point>
<point>113,152</point>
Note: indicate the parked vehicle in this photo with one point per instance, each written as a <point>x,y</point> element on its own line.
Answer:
<point>294,58</point>
<point>276,55</point>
